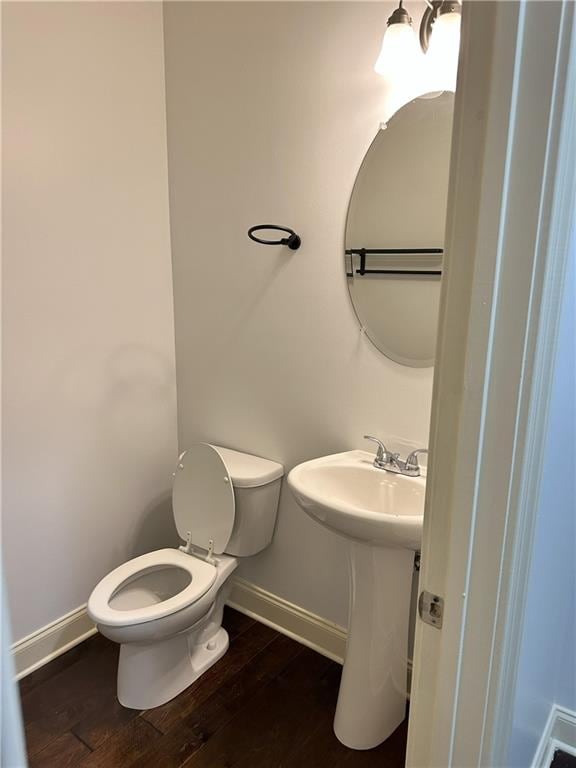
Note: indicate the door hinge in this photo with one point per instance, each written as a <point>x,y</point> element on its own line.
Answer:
<point>431,609</point>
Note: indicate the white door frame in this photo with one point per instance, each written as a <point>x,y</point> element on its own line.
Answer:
<point>511,205</point>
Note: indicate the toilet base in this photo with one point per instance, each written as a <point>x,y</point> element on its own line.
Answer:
<point>150,674</point>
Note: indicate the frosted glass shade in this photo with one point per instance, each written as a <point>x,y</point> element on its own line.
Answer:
<point>400,56</point>
<point>442,55</point>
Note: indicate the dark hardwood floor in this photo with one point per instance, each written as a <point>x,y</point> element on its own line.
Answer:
<point>268,703</point>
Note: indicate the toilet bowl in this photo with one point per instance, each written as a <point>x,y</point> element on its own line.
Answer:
<point>165,608</point>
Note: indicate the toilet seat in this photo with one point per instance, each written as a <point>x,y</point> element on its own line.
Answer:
<point>203,500</point>
<point>203,575</point>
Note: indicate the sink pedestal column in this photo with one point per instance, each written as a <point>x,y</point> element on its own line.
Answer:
<point>372,697</point>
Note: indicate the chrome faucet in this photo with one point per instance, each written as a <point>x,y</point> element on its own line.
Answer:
<point>383,458</point>
<point>412,460</point>
<point>392,462</point>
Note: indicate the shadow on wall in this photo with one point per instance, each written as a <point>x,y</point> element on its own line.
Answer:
<point>155,528</point>
<point>129,390</point>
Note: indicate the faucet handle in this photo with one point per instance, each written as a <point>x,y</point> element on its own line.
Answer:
<point>381,453</point>
<point>412,459</point>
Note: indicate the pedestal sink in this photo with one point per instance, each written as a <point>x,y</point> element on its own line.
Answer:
<point>381,513</point>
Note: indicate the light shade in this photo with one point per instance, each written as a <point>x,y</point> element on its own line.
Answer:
<point>400,64</point>
<point>400,55</point>
<point>442,55</point>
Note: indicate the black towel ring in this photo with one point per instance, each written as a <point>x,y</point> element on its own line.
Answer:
<point>293,240</point>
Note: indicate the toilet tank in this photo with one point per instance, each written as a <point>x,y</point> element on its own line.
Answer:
<point>256,484</point>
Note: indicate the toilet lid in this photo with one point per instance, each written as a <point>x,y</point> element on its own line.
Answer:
<point>203,498</point>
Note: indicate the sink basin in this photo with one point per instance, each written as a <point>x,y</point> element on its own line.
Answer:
<point>381,514</point>
<point>347,494</point>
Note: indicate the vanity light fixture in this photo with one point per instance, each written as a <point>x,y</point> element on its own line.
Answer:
<point>406,65</point>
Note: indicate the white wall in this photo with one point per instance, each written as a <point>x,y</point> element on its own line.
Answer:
<point>88,366</point>
<point>271,107</point>
<point>547,671</point>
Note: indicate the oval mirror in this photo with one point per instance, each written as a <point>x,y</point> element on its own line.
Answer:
<point>395,230</point>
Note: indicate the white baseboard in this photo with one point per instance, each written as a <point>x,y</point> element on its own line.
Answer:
<point>37,649</point>
<point>40,647</point>
<point>559,733</point>
<point>327,638</point>
<point>319,634</point>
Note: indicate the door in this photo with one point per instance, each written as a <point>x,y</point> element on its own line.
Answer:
<point>511,206</point>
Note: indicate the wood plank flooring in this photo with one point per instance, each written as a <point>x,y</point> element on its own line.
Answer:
<point>268,703</point>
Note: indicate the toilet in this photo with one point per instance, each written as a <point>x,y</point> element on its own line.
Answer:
<point>165,608</point>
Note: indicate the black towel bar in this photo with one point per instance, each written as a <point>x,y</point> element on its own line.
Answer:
<point>364,252</point>
<point>293,240</point>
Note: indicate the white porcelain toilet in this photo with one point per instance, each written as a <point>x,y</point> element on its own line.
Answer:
<point>165,607</point>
